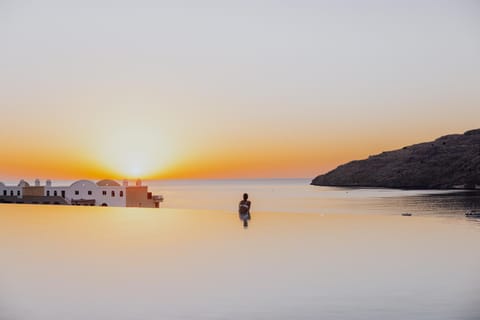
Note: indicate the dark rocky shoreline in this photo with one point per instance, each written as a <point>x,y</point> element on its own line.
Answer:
<point>449,162</point>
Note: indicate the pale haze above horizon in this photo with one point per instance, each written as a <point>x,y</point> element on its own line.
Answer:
<point>229,89</point>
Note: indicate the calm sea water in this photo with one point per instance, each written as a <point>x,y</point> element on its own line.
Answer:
<point>298,196</point>
<point>309,253</point>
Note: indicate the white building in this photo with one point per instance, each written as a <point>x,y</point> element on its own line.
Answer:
<point>82,192</point>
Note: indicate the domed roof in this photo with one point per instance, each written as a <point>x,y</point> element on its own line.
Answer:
<point>82,183</point>
<point>23,183</point>
<point>108,183</point>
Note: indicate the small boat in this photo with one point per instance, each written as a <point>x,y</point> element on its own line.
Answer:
<point>473,214</point>
<point>406,214</point>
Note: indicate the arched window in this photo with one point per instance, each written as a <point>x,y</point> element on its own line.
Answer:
<point>18,193</point>
<point>11,193</point>
<point>121,193</point>
<point>48,193</point>
<point>55,193</point>
<point>113,193</point>
<point>4,192</point>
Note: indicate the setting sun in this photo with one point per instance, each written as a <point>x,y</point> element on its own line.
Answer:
<point>135,152</point>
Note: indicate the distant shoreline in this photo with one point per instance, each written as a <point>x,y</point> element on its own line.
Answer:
<point>396,188</point>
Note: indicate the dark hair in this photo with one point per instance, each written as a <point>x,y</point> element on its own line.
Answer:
<point>245,196</point>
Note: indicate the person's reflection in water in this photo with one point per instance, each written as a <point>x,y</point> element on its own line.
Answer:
<point>244,210</point>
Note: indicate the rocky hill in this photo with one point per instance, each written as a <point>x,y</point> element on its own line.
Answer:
<point>452,161</point>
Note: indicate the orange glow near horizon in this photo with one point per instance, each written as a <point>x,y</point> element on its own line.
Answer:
<point>133,153</point>
<point>140,153</point>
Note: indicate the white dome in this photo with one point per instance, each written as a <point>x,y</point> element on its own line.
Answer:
<point>108,183</point>
<point>23,183</point>
<point>83,184</point>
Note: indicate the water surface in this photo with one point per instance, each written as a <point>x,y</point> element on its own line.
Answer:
<point>298,196</point>
<point>130,263</point>
<point>309,253</point>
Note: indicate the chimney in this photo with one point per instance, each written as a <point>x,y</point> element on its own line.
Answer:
<point>49,183</point>
<point>125,182</point>
<point>37,183</point>
<point>138,183</point>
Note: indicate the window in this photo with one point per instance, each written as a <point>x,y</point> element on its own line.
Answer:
<point>104,192</point>
<point>11,193</point>
<point>89,192</point>
<point>18,192</point>
<point>4,192</point>
<point>48,193</point>
<point>113,193</point>
<point>121,193</point>
<point>77,192</point>
<point>63,193</point>
<point>55,193</point>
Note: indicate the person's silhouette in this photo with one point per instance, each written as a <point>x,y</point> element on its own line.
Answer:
<point>244,210</point>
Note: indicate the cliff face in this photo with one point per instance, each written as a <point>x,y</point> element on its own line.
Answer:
<point>452,161</point>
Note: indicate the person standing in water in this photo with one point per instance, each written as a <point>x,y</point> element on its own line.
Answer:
<point>244,210</point>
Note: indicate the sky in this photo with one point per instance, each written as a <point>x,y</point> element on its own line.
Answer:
<point>229,89</point>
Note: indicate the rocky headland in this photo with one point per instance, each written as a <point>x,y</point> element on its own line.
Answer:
<point>451,161</point>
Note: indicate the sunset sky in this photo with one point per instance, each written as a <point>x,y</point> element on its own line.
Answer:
<point>229,89</point>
